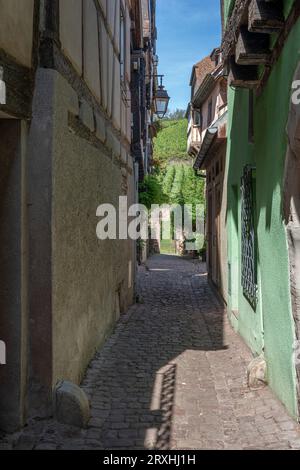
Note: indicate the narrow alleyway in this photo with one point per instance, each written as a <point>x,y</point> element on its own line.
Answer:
<point>172,377</point>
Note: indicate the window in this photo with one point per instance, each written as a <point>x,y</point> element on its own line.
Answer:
<point>197,118</point>
<point>249,271</point>
<point>209,114</point>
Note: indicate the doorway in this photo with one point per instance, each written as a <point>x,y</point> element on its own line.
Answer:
<point>13,273</point>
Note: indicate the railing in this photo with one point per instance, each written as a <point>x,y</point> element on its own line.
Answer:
<point>249,270</point>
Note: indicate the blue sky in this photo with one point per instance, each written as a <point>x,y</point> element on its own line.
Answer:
<point>188,30</point>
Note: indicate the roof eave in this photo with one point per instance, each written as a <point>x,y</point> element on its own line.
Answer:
<point>204,90</point>
<point>209,137</point>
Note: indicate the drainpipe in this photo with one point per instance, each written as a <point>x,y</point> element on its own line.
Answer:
<point>2,88</point>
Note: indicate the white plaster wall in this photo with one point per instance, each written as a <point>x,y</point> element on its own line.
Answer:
<point>91,47</point>
<point>214,97</point>
<point>104,63</point>
<point>128,58</point>
<point>87,272</point>
<point>71,31</point>
<point>99,46</point>
<point>102,4</point>
<point>117,95</point>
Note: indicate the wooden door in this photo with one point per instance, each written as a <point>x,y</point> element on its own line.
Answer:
<point>210,232</point>
<point>217,248</point>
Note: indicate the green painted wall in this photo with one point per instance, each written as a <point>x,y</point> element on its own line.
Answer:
<point>270,327</point>
<point>228,6</point>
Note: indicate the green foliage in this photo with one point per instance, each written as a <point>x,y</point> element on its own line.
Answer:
<point>175,181</point>
<point>168,179</point>
<point>176,195</point>
<point>151,191</point>
<point>193,187</point>
<point>171,141</point>
<point>181,185</point>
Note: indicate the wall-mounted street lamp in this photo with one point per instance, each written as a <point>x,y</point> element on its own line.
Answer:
<point>161,99</point>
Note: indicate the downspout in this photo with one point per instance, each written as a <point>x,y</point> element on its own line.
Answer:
<point>2,88</point>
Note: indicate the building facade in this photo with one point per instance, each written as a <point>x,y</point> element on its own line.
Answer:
<point>143,84</point>
<point>207,132</point>
<point>66,147</point>
<point>261,49</point>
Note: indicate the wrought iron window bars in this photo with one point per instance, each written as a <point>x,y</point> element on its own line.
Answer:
<point>248,249</point>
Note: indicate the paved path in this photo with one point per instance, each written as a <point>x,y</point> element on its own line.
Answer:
<point>173,376</point>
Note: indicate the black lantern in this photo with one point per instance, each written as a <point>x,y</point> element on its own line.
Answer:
<point>161,100</point>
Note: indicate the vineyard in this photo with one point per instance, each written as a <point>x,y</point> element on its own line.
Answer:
<point>171,141</point>
<point>174,180</point>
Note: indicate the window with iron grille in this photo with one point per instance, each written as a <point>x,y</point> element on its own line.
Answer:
<point>249,265</point>
<point>197,118</point>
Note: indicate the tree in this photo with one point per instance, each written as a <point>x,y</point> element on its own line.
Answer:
<point>176,115</point>
<point>151,192</point>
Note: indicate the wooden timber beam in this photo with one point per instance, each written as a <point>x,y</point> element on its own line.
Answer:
<point>245,44</point>
<point>238,17</point>
<point>266,16</point>
<point>280,42</point>
<point>242,76</point>
<point>252,48</point>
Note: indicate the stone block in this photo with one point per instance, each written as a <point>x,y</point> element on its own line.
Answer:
<point>71,405</point>
<point>257,373</point>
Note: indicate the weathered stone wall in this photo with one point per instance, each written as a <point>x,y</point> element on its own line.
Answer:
<point>88,274</point>
<point>91,281</point>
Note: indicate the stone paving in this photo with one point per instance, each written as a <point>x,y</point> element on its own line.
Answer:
<point>172,376</point>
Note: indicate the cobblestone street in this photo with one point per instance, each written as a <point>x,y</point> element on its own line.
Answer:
<point>173,376</point>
